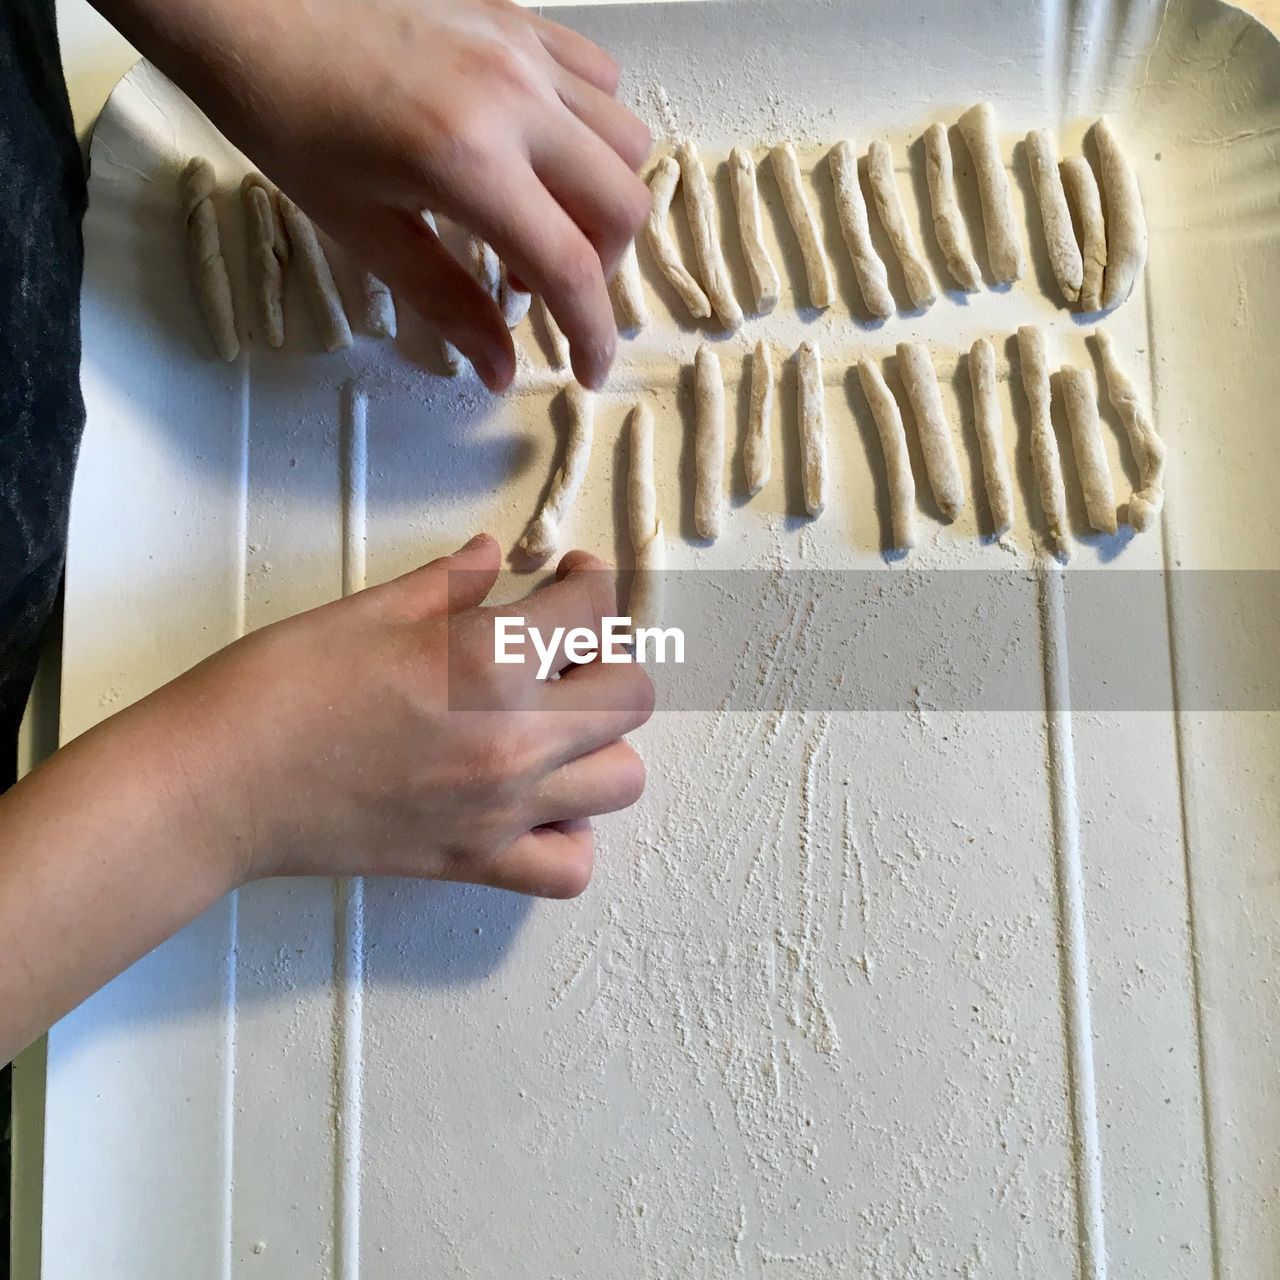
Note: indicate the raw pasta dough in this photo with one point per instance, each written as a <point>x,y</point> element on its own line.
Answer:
<point>648,548</point>
<point>268,254</point>
<point>454,360</point>
<point>700,207</point>
<point>897,461</point>
<point>986,416</point>
<point>884,187</point>
<point>627,292</point>
<point>746,199</point>
<point>1126,221</point>
<point>920,381</point>
<point>757,450</point>
<point>204,251</point>
<point>1060,239</point>
<point>1084,196</point>
<point>379,308</point>
<point>1004,249</point>
<point>662,188</point>
<point>1145,503</point>
<point>708,447</point>
<point>1034,359</point>
<point>851,208</point>
<point>317,278</point>
<point>558,343</point>
<point>817,270</point>
<point>948,225</point>
<point>1080,399</point>
<point>543,535</point>
<point>514,303</point>
<point>813,427</point>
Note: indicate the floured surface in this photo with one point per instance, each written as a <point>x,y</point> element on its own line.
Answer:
<point>887,993</point>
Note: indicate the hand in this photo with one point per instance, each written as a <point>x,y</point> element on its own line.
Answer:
<point>368,113</point>
<point>333,748</point>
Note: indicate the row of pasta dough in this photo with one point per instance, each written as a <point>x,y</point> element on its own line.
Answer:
<point>1094,227</point>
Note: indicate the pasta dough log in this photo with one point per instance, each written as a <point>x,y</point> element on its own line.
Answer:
<point>873,280</point>
<point>559,344</point>
<point>543,535</point>
<point>708,445</point>
<point>662,188</point>
<point>813,427</point>
<point>317,278</point>
<point>948,224</point>
<point>514,303</point>
<point>1126,221</point>
<point>746,198</point>
<point>485,267</point>
<point>627,292</point>
<point>1034,359</point>
<point>1084,196</point>
<point>758,448</point>
<point>454,361</point>
<point>1080,399</point>
<point>268,252</point>
<point>897,460</point>
<point>920,381</point>
<point>817,270</point>
<point>884,188</point>
<point>1055,217</point>
<point>701,209</point>
<point>379,308</point>
<point>204,252</point>
<point>1145,504</point>
<point>987,421</point>
<point>647,545</point>
<point>1004,250</point>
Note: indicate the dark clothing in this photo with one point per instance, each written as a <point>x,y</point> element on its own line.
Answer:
<point>42,201</point>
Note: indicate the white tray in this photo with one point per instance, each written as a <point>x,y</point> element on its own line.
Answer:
<point>1046,941</point>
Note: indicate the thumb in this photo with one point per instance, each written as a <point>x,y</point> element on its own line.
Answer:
<point>453,583</point>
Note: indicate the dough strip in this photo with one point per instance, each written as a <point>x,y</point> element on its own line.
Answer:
<point>708,449</point>
<point>647,545</point>
<point>884,189</point>
<point>204,252</point>
<point>817,270</point>
<point>1145,503</point>
<point>662,188</point>
<point>1034,358</point>
<point>317,277</point>
<point>990,429</point>
<point>543,535</point>
<point>813,426</point>
<point>897,459</point>
<point>920,381</point>
<point>1055,217</point>
<point>1004,248</point>
<point>757,454</point>
<point>746,198</point>
<point>1084,196</point>
<point>268,253</point>
<point>1126,221</point>
<point>1080,399</point>
<point>700,207</point>
<point>627,292</point>
<point>948,223</point>
<point>851,208</point>
<point>379,307</point>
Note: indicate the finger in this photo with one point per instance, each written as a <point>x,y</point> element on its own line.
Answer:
<point>594,704</point>
<point>413,261</point>
<point>578,55</point>
<point>579,599</point>
<point>553,861</point>
<point>600,193</point>
<point>539,241</point>
<point>450,583</point>
<point>604,115</point>
<point>605,781</point>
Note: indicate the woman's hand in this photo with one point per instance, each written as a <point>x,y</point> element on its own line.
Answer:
<point>367,113</point>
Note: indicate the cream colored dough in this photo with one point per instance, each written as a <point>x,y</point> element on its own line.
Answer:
<point>897,459</point>
<point>1146,503</point>
<point>268,252</point>
<point>990,429</point>
<point>543,535</point>
<point>662,188</point>
<point>708,450</point>
<point>851,209</point>
<point>1033,356</point>
<point>1126,220</point>
<point>204,252</point>
<point>920,381</point>
<point>758,450</point>
<point>948,224</point>
<point>746,198</point>
<point>317,278</point>
<point>1004,248</point>
<point>1055,217</point>
<point>1080,399</point>
<point>817,270</point>
<point>700,207</point>
<point>813,427</point>
<point>884,189</point>
<point>1091,229</point>
<point>647,543</point>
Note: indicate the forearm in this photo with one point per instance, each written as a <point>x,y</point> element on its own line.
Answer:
<point>103,855</point>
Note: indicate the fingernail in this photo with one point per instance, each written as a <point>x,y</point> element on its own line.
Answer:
<point>472,543</point>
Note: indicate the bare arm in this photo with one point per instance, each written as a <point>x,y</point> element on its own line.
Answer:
<point>335,743</point>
